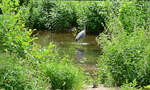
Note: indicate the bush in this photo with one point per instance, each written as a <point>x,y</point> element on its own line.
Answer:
<point>96,14</point>
<point>64,76</point>
<point>53,15</point>
<point>129,86</point>
<point>131,20</point>
<point>14,76</point>
<point>125,54</point>
<point>62,15</point>
<point>125,57</point>
<point>40,17</point>
<point>14,36</point>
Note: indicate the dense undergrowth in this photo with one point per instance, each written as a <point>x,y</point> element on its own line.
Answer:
<point>126,47</point>
<point>61,16</point>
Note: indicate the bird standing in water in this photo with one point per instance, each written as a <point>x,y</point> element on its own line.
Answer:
<point>81,34</point>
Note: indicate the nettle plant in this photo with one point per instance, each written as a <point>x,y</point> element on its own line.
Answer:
<point>15,37</point>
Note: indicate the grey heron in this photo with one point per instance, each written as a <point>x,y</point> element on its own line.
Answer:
<point>81,34</point>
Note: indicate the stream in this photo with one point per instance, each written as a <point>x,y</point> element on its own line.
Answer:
<point>84,53</point>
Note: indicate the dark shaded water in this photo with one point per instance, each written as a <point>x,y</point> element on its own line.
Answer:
<point>84,53</point>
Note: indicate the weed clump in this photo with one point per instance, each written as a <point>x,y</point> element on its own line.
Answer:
<point>125,52</point>
<point>64,76</point>
<point>14,76</point>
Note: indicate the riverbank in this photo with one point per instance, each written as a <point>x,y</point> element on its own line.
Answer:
<point>100,87</point>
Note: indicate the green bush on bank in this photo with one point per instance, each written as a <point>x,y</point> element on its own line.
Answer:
<point>126,58</point>
<point>40,17</point>
<point>53,15</point>
<point>64,15</point>
<point>125,55</point>
<point>14,76</point>
<point>133,14</point>
<point>60,71</point>
<point>97,17</point>
<point>14,36</point>
<point>64,76</point>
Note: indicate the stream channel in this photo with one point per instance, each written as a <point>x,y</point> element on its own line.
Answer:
<point>84,53</point>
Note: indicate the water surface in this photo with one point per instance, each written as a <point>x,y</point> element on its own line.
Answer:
<point>84,53</point>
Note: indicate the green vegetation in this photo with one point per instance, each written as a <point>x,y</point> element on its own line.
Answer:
<point>126,47</point>
<point>138,18</point>
<point>14,36</point>
<point>63,15</point>
<point>64,76</point>
<point>124,38</point>
<point>14,75</point>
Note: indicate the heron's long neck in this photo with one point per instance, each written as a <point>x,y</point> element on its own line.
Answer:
<point>84,27</point>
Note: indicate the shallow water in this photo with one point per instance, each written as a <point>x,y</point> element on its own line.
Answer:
<point>84,53</point>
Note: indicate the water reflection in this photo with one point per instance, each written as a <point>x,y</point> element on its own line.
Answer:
<point>80,54</point>
<point>85,53</point>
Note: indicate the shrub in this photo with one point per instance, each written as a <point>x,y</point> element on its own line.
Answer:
<point>125,58</point>
<point>39,54</point>
<point>40,17</point>
<point>64,76</point>
<point>133,14</point>
<point>53,15</point>
<point>23,2</point>
<point>95,13</point>
<point>63,16</point>
<point>14,36</point>
<point>14,76</point>
<point>129,86</point>
<point>125,54</point>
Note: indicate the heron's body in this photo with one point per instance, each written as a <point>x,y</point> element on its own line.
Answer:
<point>81,34</point>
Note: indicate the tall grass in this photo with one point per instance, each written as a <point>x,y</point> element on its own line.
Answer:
<point>125,49</point>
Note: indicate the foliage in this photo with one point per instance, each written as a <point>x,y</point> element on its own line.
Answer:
<point>53,15</point>
<point>129,86</point>
<point>64,75</point>
<point>96,14</point>
<point>125,56</point>
<point>23,2</point>
<point>14,76</point>
<point>40,14</point>
<point>15,37</point>
<point>38,55</point>
<point>62,15</point>
<point>129,19</point>
<point>123,59</point>
<point>58,69</point>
